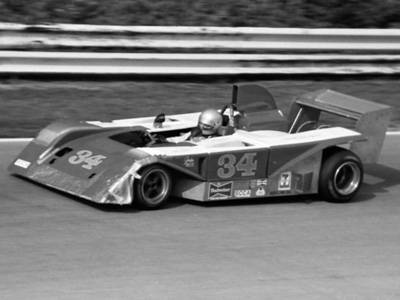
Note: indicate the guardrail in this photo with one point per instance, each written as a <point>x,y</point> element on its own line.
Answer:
<point>195,50</point>
<point>156,38</point>
<point>87,64</point>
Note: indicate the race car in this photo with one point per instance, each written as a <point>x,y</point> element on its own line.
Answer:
<point>258,154</point>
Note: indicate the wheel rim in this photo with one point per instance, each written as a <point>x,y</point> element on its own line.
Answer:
<point>347,178</point>
<point>155,187</point>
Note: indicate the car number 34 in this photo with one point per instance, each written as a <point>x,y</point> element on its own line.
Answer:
<point>246,165</point>
<point>87,159</point>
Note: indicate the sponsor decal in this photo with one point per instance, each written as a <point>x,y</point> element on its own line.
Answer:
<point>260,192</point>
<point>220,190</point>
<point>258,182</point>
<point>22,163</point>
<point>285,182</point>
<point>243,193</point>
<point>188,162</point>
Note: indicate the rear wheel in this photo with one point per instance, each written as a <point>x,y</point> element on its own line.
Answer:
<point>153,188</point>
<point>341,175</point>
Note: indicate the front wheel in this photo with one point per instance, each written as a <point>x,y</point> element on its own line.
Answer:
<point>341,176</point>
<point>153,188</point>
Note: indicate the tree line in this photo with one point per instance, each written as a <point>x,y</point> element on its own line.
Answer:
<point>232,13</point>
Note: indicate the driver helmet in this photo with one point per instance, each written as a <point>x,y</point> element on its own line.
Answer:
<point>210,121</point>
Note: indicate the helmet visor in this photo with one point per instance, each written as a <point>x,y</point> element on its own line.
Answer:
<point>206,129</point>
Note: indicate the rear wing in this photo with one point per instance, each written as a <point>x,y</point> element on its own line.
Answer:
<point>371,119</point>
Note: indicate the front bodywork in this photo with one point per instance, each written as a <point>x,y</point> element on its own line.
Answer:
<point>101,161</point>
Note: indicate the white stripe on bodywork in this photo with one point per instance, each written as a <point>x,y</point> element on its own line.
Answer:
<point>259,139</point>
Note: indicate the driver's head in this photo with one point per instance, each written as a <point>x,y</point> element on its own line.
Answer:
<point>210,121</point>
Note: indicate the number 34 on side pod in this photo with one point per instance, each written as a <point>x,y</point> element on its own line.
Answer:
<point>86,159</point>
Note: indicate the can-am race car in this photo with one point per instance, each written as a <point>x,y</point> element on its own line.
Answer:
<point>259,153</point>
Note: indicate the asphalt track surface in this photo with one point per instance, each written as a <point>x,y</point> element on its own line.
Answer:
<point>54,246</point>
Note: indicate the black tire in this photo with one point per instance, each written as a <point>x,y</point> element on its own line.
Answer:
<point>152,190</point>
<point>341,175</point>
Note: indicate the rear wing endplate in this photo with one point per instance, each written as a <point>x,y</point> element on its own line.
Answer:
<point>371,118</point>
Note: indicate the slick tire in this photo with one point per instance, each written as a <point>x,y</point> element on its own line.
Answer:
<point>341,175</point>
<point>152,190</point>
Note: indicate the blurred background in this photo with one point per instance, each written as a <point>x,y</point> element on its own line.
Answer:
<point>29,105</point>
<point>257,13</point>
